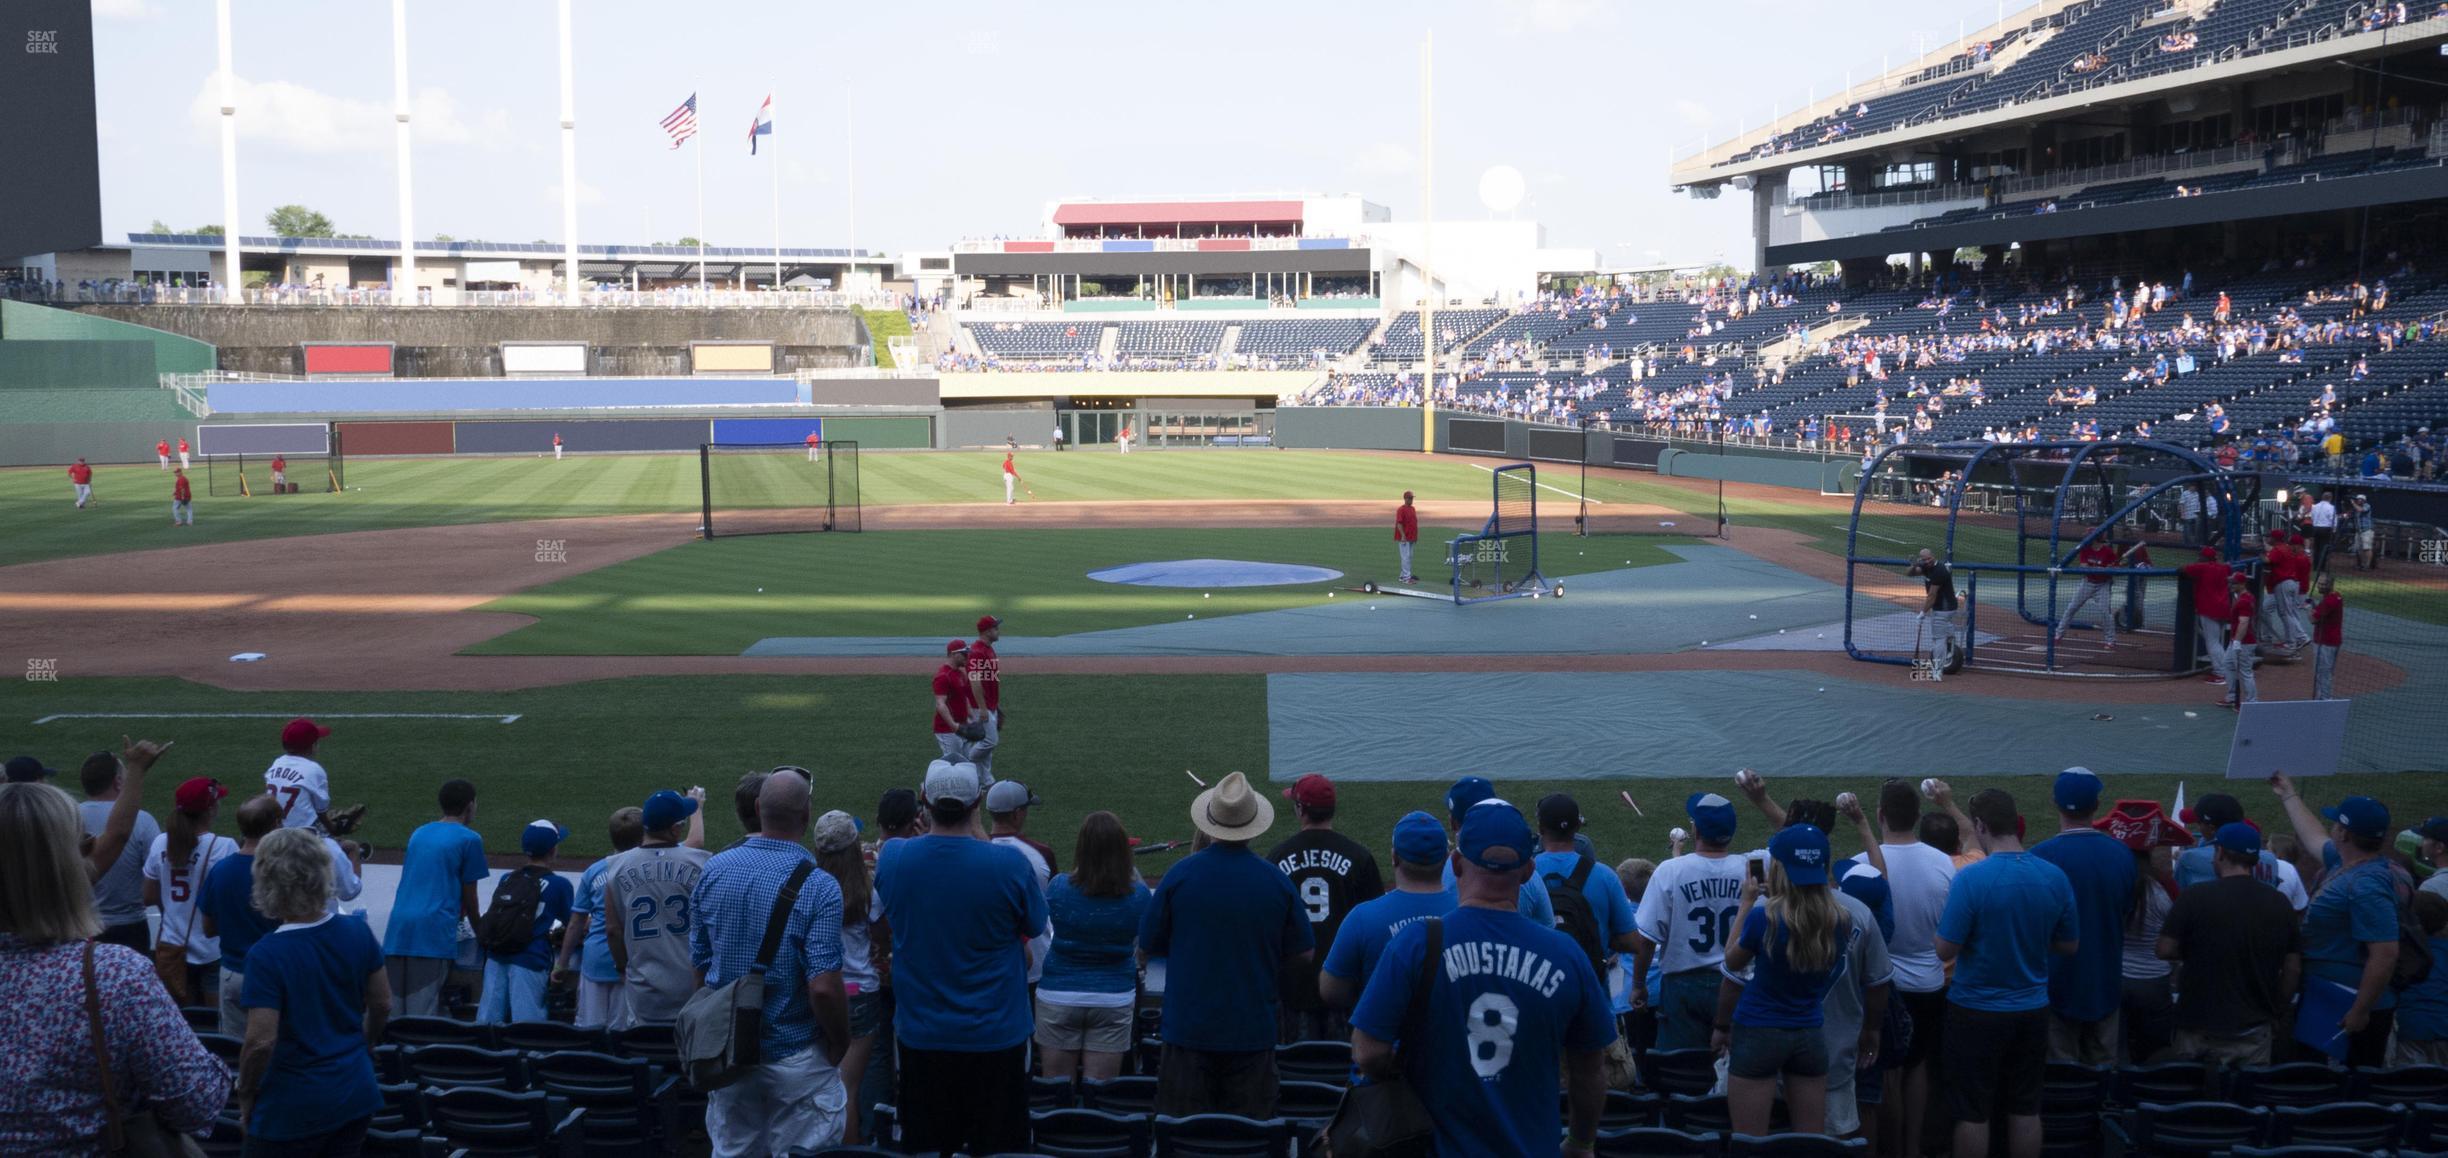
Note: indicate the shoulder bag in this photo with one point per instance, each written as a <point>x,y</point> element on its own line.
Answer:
<point>125,1135</point>
<point>1386,1118</point>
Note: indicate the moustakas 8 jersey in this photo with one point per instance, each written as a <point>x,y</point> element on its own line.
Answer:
<point>302,788</point>
<point>1507,1001</point>
<point>1692,908</point>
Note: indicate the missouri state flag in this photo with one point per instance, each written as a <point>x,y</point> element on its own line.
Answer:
<point>763,124</point>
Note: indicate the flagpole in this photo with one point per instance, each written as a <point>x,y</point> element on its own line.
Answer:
<point>234,290</point>
<point>569,165</point>
<point>699,136</point>
<point>773,143</point>
<point>404,287</point>
<point>850,183</point>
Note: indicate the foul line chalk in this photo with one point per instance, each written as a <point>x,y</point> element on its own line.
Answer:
<point>498,718</point>
<point>1545,487</point>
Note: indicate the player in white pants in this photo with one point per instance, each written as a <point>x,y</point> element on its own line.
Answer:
<point>2242,649</point>
<point>2099,553</point>
<point>2328,615</point>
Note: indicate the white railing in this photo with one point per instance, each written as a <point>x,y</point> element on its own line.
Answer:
<point>2067,180</point>
<point>128,293</point>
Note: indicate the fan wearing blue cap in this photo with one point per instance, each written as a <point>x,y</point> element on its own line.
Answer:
<point>1508,1002</point>
<point>1420,850</point>
<point>1468,793</point>
<point>1795,945</point>
<point>2087,989</point>
<point>1685,920</point>
<point>2238,947</point>
<point>648,888</point>
<point>2350,930</point>
<point>530,901</point>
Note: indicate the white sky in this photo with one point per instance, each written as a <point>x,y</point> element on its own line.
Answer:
<point>970,115</point>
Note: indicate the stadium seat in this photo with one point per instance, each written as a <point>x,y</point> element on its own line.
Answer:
<point>463,1066</point>
<point>388,1064</point>
<point>489,1123</point>
<point>2292,1084</point>
<point>1126,1095</point>
<point>1314,1061</point>
<point>2427,1127</point>
<point>1223,1136</point>
<point>547,1037</point>
<point>1794,1146</point>
<point>1646,1142</point>
<point>2070,1100</point>
<point>2409,1085</point>
<point>841,1152</point>
<point>1625,1110</point>
<point>1698,1113</point>
<point>625,1098</point>
<point>882,1123</point>
<point>202,1018</point>
<point>1679,1071</point>
<point>2190,1128</point>
<point>403,1107</point>
<point>1080,1133</point>
<point>407,1031</point>
<point>651,1042</point>
<point>1148,1058</point>
<point>223,1046</point>
<point>1312,1103</point>
<point>403,1144</point>
<point>1052,1093</point>
<point>2167,1082</point>
<point>2354,1125</point>
<point>2303,1152</point>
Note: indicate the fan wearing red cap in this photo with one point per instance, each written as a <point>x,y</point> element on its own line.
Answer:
<point>986,694</point>
<point>952,712</point>
<point>1333,874</point>
<point>297,779</point>
<point>174,872</point>
<point>2207,580</point>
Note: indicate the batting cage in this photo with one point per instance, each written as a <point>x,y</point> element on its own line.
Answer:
<point>239,458</point>
<point>778,488</point>
<point>2064,556</point>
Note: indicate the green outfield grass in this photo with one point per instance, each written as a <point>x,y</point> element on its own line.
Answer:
<point>704,598</point>
<point>134,508</point>
<point>1082,742</point>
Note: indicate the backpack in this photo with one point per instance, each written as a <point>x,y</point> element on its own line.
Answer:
<point>508,925</point>
<point>1573,915</point>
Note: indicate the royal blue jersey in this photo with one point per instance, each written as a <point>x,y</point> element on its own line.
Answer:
<point>1507,1000</point>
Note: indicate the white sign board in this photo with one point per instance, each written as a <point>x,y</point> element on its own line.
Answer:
<point>2298,737</point>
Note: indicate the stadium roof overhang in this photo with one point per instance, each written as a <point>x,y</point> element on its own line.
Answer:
<point>1090,213</point>
<point>1159,262</point>
<point>1712,166</point>
<point>2405,185</point>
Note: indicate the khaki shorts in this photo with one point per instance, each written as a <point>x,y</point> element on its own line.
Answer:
<point>1088,1028</point>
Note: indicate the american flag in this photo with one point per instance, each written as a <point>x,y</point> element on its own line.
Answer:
<point>682,123</point>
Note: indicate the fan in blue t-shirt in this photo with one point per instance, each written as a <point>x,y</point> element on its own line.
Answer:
<point>2087,987</point>
<point>1794,945</point>
<point>1507,1003</point>
<point>309,986</point>
<point>1419,851</point>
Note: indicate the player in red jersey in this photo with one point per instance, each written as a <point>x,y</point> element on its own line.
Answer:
<point>2328,634</point>
<point>161,450</point>
<point>2242,646</point>
<point>2207,580</point>
<point>812,441</point>
<point>2100,553</point>
<point>280,472</point>
<point>182,500</point>
<point>986,694</point>
<point>80,476</point>
<point>952,714</point>
<point>1406,535</point>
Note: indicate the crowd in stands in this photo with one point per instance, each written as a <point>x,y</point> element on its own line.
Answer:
<point>920,970</point>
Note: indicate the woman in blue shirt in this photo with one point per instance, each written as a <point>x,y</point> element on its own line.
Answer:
<point>1770,1026</point>
<point>316,1001</point>
<point>1087,995</point>
<point>2350,930</point>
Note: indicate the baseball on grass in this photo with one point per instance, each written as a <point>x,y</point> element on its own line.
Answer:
<point>760,591</point>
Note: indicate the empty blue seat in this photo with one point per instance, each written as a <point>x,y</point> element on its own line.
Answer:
<point>1086,1133</point>
<point>1223,1136</point>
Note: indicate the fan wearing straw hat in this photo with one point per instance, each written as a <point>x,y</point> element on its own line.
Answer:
<point>1227,921</point>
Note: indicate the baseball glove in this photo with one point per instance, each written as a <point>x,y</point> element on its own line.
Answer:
<point>971,730</point>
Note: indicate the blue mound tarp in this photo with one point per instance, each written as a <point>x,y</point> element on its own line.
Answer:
<point>1214,573</point>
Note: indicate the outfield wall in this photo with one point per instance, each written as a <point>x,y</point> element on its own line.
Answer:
<point>418,395</point>
<point>61,443</point>
<point>1398,428</point>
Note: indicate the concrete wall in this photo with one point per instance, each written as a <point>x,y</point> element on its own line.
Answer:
<point>416,395</point>
<point>1797,471</point>
<point>1347,428</point>
<point>982,426</point>
<point>465,342</point>
<point>49,365</point>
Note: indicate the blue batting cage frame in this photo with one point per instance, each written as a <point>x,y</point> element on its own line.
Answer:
<point>1512,518</point>
<point>2097,486</point>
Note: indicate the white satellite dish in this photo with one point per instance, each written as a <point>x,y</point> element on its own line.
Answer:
<point>1501,189</point>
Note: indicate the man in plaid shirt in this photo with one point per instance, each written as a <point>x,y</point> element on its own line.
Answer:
<point>794,1099</point>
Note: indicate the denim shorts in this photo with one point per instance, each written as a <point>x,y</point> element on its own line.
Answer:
<point>1760,1052</point>
<point>866,1010</point>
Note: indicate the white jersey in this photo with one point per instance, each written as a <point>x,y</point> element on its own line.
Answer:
<point>302,787</point>
<point>2289,882</point>
<point>1690,910</point>
<point>181,887</point>
<point>648,889</point>
<point>1918,878</point>
<point>1042,943</point>
<point>346,886</point>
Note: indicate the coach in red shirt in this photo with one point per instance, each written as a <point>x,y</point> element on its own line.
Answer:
<point>182,500</point>
<point>952,702</point>
<point>2243,644</point>
<point>2207,580</point>
<point>1406,533</point>
<point>80,476</point>
<point>986,691</point>
<point>2328,634</point>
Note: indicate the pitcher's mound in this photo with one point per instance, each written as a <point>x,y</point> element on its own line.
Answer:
<point>1214,573</point>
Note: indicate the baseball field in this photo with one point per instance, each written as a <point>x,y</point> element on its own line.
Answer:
<point>557,633</point>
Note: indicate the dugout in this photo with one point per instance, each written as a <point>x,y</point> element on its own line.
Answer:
<point>2012,521</point>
